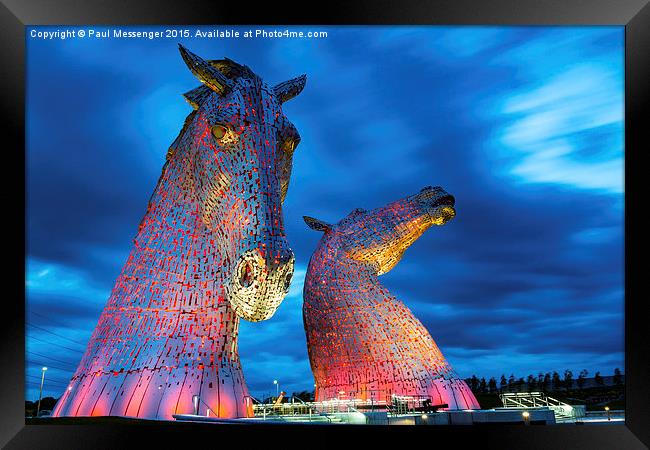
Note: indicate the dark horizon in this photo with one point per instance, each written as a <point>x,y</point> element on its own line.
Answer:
<point>499,386</point>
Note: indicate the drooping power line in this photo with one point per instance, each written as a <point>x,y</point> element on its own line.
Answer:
<point>56,334</point>
<point>58,345</point>
<point>49,319</point>
<point>46,380</point>
<point>49,357</point>
<point>52,367</point>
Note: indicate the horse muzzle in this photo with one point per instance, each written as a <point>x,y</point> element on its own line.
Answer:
<point>438,204</point>
<point>259,283</point>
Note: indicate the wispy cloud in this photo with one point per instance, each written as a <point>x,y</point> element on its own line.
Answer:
<point>547,125</point>
<point>44,278</point>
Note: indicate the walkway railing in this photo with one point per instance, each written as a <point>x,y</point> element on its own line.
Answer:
<point>334,410</point>
<point>295,406</point>
<point>196,401</point>
<point>562,410</point>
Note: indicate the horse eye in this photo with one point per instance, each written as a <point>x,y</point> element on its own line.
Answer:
<point>219,131</point>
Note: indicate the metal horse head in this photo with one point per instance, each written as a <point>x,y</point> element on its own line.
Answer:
<point>238,146</point>
<point>380,237</point>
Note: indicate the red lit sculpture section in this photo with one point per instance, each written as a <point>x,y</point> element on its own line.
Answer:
<point>210,249</point>
<point>364,343</point>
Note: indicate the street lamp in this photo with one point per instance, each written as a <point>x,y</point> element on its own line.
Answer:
<point>608,414</point>
<point>526,416</point>
<point>40,395</point>
<point>277,388</point>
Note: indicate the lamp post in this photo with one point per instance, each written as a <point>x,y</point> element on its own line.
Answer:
<point>277,388</point>
<point>608,414</point>
<point>40,394</point>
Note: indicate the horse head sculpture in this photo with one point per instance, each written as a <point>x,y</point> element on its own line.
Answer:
<point>210,249</point>
<point>380,237</point>
<point>239,147</point>
<point>364,343</point>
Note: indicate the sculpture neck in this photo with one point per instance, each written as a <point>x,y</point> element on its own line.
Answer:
<point>332,265</point>
<point>173,211</point>
<point>174,251</point>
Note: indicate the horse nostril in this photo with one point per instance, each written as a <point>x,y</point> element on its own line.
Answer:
<point>286,267</point>
<point>246,274</point>
<point>447,200</point>
<point>287,280</point>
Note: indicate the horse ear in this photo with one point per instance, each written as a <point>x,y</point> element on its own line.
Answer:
<point>289,89</point>
<point>316,224</point>
<point>197,96</point>
<point>204,71</point>
<point>232,69</point>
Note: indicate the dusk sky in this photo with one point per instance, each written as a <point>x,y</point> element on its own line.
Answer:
<point>523,125</point>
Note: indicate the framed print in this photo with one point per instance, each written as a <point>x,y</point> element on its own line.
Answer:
<point>253,224</point>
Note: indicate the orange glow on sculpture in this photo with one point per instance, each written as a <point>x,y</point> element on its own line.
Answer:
<point>211,249</point>
<point>364,343</point>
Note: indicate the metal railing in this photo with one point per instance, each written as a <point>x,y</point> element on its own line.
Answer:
<point>411,404</point>
<point>196,401</point>
<point>341,410</point>
<point>285,411</point>
<point>562,410</point>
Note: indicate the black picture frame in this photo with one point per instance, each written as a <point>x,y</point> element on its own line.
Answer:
<point>16,14</point>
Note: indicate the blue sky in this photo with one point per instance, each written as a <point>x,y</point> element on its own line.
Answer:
<point>523,125</point>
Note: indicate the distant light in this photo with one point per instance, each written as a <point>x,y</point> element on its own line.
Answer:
<point>425,417</point>
<point>275,381</point>
<point>44,369</point>
<point>341,392</point>
<point>525,414</point>
<point>69,388</point>
<point>606,408</point>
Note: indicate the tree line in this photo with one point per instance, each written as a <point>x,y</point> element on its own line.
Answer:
<point>543,381</point>
<point>546,382</point>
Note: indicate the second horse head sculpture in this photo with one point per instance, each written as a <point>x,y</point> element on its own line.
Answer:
<point>363,342</point>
